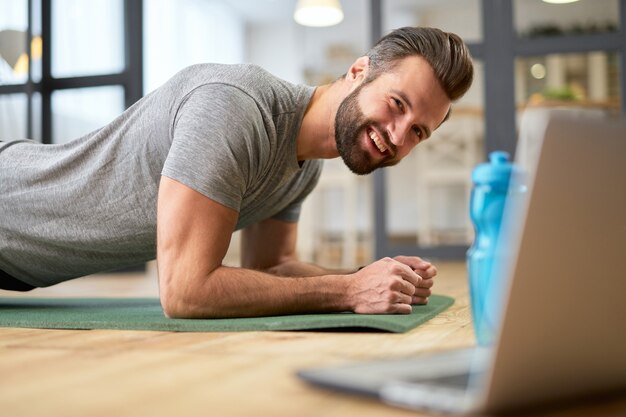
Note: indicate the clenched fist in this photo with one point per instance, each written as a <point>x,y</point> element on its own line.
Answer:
<point>391,285</point>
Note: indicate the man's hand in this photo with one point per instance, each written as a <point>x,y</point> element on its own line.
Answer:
<point>426,271</point>
<point>391,286</point>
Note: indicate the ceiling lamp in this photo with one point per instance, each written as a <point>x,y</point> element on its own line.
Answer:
<point>13,49</point>
<point>318,13</point>
<point>559,1</point>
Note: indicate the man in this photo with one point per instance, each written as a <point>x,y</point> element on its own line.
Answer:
<point>220,148</point>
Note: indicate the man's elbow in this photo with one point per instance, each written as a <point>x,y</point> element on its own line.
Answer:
<point>171,309</point>
<point>173,304</point>
<point>180,302</point>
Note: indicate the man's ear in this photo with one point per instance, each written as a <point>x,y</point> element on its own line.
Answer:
<point>359,69</point>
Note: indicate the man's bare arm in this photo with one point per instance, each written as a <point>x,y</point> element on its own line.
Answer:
<point>270,246</point>
<point>193,234</point>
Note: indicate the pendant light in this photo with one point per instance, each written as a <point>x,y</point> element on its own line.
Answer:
<point>318,13</point>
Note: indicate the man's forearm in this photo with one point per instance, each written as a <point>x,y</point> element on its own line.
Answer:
<point>385,286</point>
<point>295,268</point>
<point>238,292</point>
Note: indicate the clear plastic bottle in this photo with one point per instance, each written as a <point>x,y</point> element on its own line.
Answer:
<point>487,202</point>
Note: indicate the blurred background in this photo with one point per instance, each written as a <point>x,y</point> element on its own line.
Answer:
<point>70,66</point>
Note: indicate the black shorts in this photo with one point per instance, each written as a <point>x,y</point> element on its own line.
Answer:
<point>7,282</point>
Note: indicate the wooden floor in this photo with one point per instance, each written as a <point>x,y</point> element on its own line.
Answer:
<point>145,373</point>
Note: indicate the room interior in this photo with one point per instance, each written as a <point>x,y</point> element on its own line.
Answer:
<point>563,55</point>
<point>69,66</point>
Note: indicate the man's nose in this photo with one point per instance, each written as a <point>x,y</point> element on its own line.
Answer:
<point>399,132</point>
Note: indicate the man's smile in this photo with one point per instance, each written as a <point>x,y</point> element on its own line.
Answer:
<point>378,141</point>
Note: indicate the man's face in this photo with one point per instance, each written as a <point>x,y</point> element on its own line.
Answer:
<point>379,123</point>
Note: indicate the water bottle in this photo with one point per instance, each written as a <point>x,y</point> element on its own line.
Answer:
<point>487,202</point>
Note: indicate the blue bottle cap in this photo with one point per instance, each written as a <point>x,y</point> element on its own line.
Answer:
<point>496,172</point>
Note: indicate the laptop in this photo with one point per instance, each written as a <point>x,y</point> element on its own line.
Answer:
<point>562,328</point>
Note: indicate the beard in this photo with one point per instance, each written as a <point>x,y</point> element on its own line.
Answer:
<point>350,125</point>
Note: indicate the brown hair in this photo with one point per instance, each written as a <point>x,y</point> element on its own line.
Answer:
<point>444,51</point>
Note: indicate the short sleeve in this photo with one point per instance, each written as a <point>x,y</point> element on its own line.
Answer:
<point>213,142</point>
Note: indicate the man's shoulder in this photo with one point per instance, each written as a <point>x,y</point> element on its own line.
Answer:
<point>234,74</point>
<point>265,88</point>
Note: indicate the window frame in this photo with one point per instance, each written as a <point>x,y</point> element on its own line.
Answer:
<point>130,79</point>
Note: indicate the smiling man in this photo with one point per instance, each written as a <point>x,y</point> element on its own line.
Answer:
<point>221,148</point>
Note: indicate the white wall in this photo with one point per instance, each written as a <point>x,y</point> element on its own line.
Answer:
<point>277,48</point>
<point>287,49</point>
<point>179,33</point>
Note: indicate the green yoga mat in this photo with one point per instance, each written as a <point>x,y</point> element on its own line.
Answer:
<point>146,314</point>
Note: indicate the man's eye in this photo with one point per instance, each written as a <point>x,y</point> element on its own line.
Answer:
<point>418,132</point>
<point>398,103</point>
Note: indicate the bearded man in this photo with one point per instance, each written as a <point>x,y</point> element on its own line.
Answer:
<point>220,148</point>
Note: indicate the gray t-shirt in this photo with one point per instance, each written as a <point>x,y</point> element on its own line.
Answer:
<point>226,131</point>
